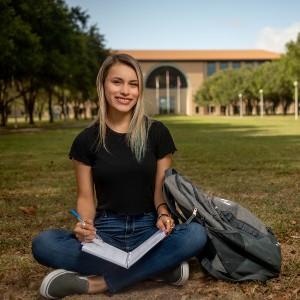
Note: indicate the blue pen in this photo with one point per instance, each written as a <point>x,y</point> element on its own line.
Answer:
<point>76,215</point>
<point>79,218</point>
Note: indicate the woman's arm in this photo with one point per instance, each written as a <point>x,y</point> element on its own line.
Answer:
<point>85,201</point>
<point>165,223</point>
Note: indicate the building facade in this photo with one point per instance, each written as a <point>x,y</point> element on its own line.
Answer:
<point>172,77</point>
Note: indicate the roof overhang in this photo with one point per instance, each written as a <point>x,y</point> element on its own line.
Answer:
<point>200,55</point>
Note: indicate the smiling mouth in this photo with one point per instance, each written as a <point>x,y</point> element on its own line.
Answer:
<point>123,100</point>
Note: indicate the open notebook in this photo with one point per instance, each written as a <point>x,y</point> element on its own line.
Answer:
<point>124,259</point>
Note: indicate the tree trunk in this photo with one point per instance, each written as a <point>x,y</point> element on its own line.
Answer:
<point>31,111</point>
<point>2,106</point>
<point>51,119</point>
<point>29,101</point>
<point>3,119</point>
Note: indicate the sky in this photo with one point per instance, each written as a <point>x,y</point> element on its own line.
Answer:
<point>194,24</point>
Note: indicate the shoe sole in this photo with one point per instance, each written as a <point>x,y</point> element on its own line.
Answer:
<point>184,274</point>
<point>48,279</point>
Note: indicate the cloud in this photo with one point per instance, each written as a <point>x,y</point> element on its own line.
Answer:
<point>274,40</point>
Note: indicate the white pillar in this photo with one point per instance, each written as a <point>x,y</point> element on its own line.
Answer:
<point>296,100</point>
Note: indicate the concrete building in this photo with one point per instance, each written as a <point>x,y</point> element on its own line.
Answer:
<point>172,77</point>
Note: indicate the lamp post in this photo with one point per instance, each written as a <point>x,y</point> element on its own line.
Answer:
<point>296,99</point>
<point>261,93</point>
<point>241,104</point>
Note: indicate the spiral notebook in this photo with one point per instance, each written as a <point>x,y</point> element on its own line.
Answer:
<point>117,256</point>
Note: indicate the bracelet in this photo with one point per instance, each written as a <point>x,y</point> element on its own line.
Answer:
<point>161,205</point>
<point>161,215</point>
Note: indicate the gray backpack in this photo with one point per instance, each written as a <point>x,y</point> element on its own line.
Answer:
<point>240,247</point>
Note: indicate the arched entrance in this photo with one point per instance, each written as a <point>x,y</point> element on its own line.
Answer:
<point>168,83</point>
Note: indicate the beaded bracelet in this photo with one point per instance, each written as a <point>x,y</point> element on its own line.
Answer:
<point>160,206</point>
<point>161,215</point>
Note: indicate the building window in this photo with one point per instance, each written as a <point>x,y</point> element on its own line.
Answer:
<point>248,64</point>
<point>211,68</point>
<point>223,65</point>
<point>259,63</point>
<point>236,64</point>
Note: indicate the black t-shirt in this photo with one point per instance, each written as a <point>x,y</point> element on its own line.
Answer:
<point>122,184</point>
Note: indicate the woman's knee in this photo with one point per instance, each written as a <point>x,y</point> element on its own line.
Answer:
<point>40,244</point>
<point>44,243</point>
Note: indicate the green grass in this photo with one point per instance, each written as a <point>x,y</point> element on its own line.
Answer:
<point>253,161</point>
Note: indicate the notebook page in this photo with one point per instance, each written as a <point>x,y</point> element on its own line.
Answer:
<point>141,250</point>
<point>107,252</point>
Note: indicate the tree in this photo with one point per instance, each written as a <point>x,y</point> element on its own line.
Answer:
<point>46,46</point>
<point>19,52</point>
<point>50,21</point>
<point>86,61</point>
<point>222,88</point>
<point>293,57</point>
<point>278,84</point>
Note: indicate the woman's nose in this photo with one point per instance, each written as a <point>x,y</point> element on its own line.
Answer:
<point>124,89</point>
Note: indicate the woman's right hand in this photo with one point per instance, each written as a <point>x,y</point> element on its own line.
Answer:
<point>85,231</point>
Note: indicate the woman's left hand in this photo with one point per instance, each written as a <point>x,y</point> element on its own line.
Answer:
<point>165,224</point>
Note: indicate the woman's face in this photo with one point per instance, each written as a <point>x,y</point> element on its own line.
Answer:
<point>121,88</point>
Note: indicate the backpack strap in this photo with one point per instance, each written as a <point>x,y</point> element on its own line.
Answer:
<point>173,209</point>
<point>206,264</point>
<point>169,198</point>
<point>171,201</point>
<point>170,171</point>
<point>193,215</point>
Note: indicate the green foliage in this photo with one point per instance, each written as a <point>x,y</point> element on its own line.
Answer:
<point>275,78</point>
<point>19,47</point>
<point>293,56</point>
<point>46,46</point>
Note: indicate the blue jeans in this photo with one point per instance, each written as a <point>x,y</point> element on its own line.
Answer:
<point>59,249</point>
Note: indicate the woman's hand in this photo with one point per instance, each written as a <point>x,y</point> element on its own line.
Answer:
<point>85,231</point>
<point>165,223</point>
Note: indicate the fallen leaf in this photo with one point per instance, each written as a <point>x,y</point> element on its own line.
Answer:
<point>30,210</point>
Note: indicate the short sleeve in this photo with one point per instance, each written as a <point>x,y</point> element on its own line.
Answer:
<point>81,148</point>
<point>162,139</point>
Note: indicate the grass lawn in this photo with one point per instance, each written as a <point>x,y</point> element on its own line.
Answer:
<point>253,161</point>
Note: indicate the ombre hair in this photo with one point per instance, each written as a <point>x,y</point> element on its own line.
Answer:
<point>136,136</point>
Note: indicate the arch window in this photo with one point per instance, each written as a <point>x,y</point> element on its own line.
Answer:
<point>160,76</point>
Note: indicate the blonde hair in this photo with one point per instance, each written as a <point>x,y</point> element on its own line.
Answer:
<point>136,136</point>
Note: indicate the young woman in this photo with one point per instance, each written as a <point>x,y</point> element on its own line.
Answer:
<point>122,156</point>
